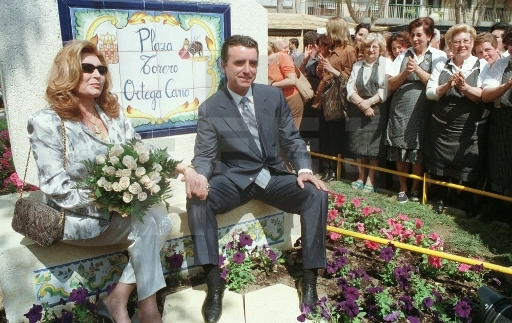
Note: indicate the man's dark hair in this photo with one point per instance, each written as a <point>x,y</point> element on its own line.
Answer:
<point>500,26</point>
<point>361,26</point>
<point>310,38</point>
<point>237,40</point>
<point>507,37</point>
<point>295,42</point>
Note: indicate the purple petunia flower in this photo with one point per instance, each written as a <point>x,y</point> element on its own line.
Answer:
<point>413,319</point>
<point>79,295</point>
<point>350,307</point>
<point>245,240</point>
<point>375,290</point>
<point>351,293</point>
<point>331,268</point>
<point>342,283</point>
<point>360,273</point>
<point>386,254</point>
<point>438,296</point>
<point>392,317</point>
<point>477,268</point>
<point>462,309</point>
<point>340,251</point>
<point>407,304</point>
<point>34,314</point>
<point>230,245</point>
<point>175,261</point>
<point>221,261</point>
<point>238,257</point>
<point>428,302</point>
<point>224,273</point>
<point>325,314</point>
<point>273,256</point>
<point>341,261</point>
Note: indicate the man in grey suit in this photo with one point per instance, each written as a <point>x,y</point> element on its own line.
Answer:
<point>242,132</point>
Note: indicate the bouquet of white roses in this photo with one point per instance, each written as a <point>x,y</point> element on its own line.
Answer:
<point>130,179</point>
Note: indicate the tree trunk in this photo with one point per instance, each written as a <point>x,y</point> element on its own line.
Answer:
<point>376,15</point>
<point>507,13</point>
<point>352,13</point>
<point>280,6</point>
<point>458,11</point>
<point>479,12</point>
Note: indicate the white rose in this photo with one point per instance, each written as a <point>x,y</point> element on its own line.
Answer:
<point>140,148</point>
<point>145,179</point>
<point>111,170</point>
<point>142,196</point>
<point>108,186</point>
<point>124,182</point>
<point>154,189</point>
<point>135,188</point>
<point>126,172</point>
<point>157,167</point>
<point>119,173</point>
<point>140,171</point>
<point>149,184</point>
<point>127,197</point>
<point>129,162</point>
<point>116,150</point>
<point>101,181</point>
<point>155,176</point>
<point>116,187</point>
<point>101,159</point>
<point>114,160</point>
<point>144,157</point>
<point>104,169</point>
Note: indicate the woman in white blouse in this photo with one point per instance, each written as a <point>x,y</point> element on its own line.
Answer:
<point>366,123</point>
<point>457,127</point>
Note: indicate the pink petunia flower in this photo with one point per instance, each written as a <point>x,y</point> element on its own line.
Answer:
<point>366,211</point>
<point>360,227</point>
<point>340,200</point>
<point>419,224</point>
<point>371,245</point>
<point>332,214</point>
<point>403,217</point>
<point>464,267</point>
<point>356,202</point>
<point>419,238</point>
<point>386,233</point>
<point>435,261</point>
<point>334,236</point>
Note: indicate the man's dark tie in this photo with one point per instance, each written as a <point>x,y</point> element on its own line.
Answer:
<point>250,120</point>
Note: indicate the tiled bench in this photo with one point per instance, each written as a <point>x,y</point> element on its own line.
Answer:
<point>30,274</point>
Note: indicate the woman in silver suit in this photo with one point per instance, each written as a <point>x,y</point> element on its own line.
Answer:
<point>79,94</point>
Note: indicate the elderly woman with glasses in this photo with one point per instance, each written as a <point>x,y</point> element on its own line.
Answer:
<point>457,128</point>
<point>80,100</point>
<point>366,123</point>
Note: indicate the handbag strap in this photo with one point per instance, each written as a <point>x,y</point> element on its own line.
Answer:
<point>64,158</point>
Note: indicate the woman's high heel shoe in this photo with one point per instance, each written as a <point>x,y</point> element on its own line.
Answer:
<point>103,314</point>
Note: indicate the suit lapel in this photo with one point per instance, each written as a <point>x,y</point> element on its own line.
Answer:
<point>234,120</point>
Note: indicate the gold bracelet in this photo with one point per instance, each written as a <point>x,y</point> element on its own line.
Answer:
<point>185,168</point>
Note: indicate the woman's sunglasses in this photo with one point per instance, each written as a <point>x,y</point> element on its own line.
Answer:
<point>89,68</point>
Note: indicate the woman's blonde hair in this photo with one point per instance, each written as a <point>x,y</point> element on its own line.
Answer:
<point>65,75</point>
<point>457,29</point>
<point>337,31</point>
<point>369,39</point>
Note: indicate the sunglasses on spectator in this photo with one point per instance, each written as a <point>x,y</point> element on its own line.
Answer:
<point>89,68</point>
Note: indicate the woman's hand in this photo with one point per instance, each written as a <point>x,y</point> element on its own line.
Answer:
<point>369,112</point>
<point>326,65</point>
<point>459,81</point>
<point>364,105</point>
<point>308,52</point>
<point>411,65</point>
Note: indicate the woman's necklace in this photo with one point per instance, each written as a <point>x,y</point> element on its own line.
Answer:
<point>97,129</point>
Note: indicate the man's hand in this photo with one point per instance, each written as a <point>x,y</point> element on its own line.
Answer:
<point>195,184</point>
<point>308,177</point>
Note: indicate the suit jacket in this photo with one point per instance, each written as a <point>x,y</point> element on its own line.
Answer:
<point>225,146</point>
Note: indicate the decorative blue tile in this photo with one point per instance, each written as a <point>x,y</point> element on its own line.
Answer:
<point>54,283</point>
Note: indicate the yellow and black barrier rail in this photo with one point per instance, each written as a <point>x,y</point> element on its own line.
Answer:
<point>424,179</point>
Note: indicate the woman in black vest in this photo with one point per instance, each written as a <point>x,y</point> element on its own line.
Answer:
<point>457,127</point>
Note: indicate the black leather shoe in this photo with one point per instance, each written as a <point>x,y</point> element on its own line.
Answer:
<point>330,177</point>
<point>212,306</point>
<point>307,294</point>
<point>439,207</point>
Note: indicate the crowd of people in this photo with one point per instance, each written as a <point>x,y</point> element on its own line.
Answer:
<point>422,101</point>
